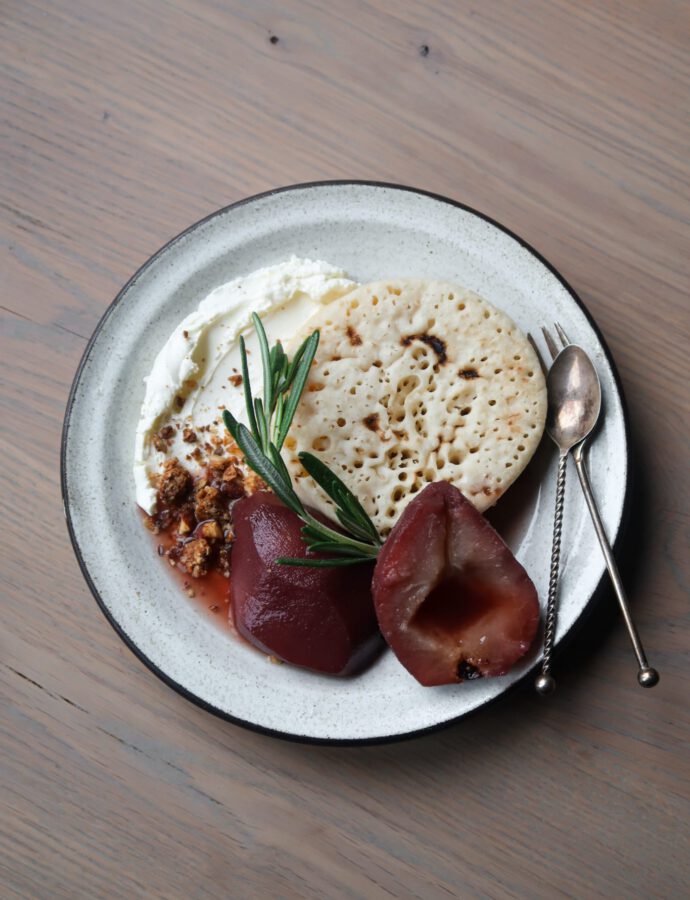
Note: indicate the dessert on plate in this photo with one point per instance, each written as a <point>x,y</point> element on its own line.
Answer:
<point>325,450</point>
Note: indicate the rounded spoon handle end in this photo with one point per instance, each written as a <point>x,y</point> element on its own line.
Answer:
<point>647,677</point>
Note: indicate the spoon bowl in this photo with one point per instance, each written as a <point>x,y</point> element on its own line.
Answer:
<point>574,398</point>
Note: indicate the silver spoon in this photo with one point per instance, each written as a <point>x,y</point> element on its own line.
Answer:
<point>574,404</point>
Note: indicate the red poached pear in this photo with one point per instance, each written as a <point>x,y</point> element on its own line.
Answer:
<point>319,618</point>
<point>452,601</point>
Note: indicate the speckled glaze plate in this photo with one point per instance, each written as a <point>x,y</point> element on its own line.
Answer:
<point>373,231</point>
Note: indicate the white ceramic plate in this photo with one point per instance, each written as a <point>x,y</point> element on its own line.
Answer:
<point>373,231</point>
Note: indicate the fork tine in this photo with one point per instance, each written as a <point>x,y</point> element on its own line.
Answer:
<point>536,350</point>
<point>565,340</point>
<point>550,343</point>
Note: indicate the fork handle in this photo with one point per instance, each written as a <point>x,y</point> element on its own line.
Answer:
<point>646,676</point>
<point>545,683</point>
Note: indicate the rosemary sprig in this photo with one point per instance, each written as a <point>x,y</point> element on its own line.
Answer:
<point>269,422</point>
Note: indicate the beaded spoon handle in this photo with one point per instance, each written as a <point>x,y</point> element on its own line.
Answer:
<point>545,683</point>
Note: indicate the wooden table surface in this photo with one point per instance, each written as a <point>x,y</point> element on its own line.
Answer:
<point>126,121</point>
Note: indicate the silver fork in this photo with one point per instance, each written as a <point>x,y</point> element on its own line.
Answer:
<point>574,404</point>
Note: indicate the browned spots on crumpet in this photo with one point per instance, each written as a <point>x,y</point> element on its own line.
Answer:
<point>431,340</point>
<point>352,336</point>
<point>468,374</point>
<point>372,421</point>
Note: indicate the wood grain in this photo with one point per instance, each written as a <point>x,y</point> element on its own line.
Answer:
<point>125,122</point>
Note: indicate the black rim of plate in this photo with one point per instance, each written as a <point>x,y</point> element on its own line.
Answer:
<point>577,625</point>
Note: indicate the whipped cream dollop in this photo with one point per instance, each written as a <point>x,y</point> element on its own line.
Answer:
<point>196,373</point>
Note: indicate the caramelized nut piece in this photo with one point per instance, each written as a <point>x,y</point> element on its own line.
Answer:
<point>195,557</point>
<point>233,482</point>
<point>215,468</point>
<point>162,437</point>
<point>209,504</point>
<point>211,531</point>
<point>174,483</point>
<point>183,527</point>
